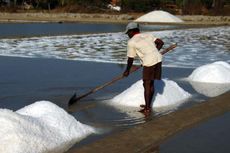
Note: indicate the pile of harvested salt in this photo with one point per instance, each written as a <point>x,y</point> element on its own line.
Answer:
<point>212,79</point>
<point>40,128</point>
<point>167,92</point>
<point>159,17</point>
<point>217,72</point>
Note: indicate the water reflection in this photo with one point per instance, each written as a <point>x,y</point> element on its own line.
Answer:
<point>210,89</point>
<point>100,115</point>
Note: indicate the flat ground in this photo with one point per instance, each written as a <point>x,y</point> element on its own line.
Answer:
<point>99,17</point>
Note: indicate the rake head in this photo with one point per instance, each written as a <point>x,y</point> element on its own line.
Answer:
<point>73,99</point>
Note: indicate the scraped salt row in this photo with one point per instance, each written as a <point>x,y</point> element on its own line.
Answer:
<point>159,16</point>
<point>41,127</point>
<point>217,72</point>
<point>167,92</point>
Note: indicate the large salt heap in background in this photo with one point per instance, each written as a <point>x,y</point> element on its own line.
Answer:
<point>167,93</point>
<point>41,127</point>
<point>159,17</point>
<point>211,79</point>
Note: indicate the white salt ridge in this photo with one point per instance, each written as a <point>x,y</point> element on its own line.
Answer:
<point>159,17</point>
<point>41,127</point>
<point>217,72</point>
<point>167,93</point>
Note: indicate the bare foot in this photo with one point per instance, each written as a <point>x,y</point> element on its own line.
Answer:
<point>145,111</point>
<point>142,106</point>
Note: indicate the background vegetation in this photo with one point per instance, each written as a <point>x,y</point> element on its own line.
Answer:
<point>205,7</point>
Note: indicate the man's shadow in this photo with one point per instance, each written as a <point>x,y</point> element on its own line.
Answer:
<point>158,88</point>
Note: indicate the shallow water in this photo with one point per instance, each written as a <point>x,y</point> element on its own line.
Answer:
<point>11,30</point>
<point>26,80</point>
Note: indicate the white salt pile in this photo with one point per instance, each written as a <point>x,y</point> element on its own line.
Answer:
<point>211,79</point>
<point>41,127</point>
<point>167,93</point>
<point>217,72</point>
<point>159,17</point>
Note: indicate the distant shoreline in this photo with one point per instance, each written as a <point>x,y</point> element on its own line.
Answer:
<point>63,17</point>
<point>103,18</point>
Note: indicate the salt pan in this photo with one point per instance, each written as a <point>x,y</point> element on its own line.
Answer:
<point>41,127</point>
<point>159,17</point>
<point>167,92</point>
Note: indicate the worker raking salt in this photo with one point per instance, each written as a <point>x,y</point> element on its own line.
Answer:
<point>146,47</point>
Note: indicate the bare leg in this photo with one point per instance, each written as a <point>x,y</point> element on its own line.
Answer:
<point>148,94</point>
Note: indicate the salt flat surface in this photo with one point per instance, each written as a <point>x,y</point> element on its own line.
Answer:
<point>41,127</point>
<point>167,93</point>
<point>159,17</point>
<point>196,47</point>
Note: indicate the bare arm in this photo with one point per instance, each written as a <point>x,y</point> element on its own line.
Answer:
<point>129,65</point>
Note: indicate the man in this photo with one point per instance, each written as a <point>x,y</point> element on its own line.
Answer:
<point>146,47</point>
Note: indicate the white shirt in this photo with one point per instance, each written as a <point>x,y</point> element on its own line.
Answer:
<point>143,45</point>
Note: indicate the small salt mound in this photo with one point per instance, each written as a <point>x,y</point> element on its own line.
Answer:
<point>167,93</point>
<point>159,17</point>
<point>217,72</point>
<point>41,127</point>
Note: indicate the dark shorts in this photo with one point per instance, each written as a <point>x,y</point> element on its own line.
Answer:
<point>152,72</point>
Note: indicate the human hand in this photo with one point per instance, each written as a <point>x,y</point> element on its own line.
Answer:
<point>159,43</point>
<point>126,73</point>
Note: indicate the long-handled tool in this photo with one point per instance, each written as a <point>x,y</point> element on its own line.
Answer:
<point>74,98</point>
